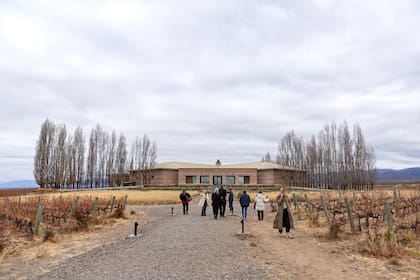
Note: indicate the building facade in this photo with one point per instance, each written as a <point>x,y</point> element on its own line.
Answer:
<point>258,173</point>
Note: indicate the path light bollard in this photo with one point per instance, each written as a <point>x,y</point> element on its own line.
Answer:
<point>243,225</point>
<point>172,212</point>
<point>135,228</point>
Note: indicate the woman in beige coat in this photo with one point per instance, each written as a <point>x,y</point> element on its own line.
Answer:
<point>284,214</point>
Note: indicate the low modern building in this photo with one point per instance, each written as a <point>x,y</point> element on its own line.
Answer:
<point>257,173</point>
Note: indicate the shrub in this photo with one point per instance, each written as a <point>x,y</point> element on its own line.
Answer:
<point>49,234</point>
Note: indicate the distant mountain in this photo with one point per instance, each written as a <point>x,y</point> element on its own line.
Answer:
<point>408,175</point>
<point>19,184</point>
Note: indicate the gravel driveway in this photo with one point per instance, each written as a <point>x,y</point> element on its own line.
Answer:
<point>170,247</point>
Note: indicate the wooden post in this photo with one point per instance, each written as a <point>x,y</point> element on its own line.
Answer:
<point>112,203</point>
<point>388,217</point>
<point>95,206</point>
<point>348,207</point>
<point>74,206</point>
<point>294,200</point>
<point>125,202</point>
<point>38,217</point>
<point>327,214</point>
<point>308,206</point>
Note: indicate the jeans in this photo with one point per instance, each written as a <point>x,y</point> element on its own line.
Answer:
<point>203,210</point>
<point>244,211</point>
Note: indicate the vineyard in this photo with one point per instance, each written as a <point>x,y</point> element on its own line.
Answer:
<point>42,216</point>
<point>388,221</point>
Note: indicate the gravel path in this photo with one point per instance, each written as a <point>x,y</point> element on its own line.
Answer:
<point>170,247</point>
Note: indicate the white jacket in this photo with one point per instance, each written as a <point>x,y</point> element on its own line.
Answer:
<point>203,197</point>
<point>260,201</point>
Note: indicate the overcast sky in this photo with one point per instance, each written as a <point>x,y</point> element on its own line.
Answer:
<point>210,79</point>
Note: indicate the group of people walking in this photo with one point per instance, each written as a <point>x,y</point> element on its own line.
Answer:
<point>283,218</point>
<point>218,201</point>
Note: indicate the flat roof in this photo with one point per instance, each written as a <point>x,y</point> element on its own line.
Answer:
<point>250,165</point>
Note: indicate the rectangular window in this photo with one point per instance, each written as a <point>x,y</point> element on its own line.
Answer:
<point>191,179</point>
<point>243,180</point>
<point>204,180</point>
<point>230,180</point>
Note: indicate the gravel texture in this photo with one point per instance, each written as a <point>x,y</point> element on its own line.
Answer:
<point>170,247</point>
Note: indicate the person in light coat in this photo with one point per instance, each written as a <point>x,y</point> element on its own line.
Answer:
<point>260,201</point>
<point>203,202</point>
<point>284,218</point>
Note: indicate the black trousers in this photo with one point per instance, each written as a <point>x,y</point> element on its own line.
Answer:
<point>215,211</point>
<point>260,215</point>
<point>222,208</point>
<point>185,208</point>
<point>286,221</point>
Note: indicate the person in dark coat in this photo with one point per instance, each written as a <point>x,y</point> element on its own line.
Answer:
<point>185,199</point>
<point>215,202</point>
<point>231,201</point>
<point>222,193</point>
<point>244,200</point>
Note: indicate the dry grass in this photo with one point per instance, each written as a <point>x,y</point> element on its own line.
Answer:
<point>135,197</point>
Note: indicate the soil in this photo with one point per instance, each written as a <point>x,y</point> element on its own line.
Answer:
<point>195,247</point>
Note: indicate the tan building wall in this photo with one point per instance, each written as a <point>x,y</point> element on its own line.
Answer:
<point>164,177</point>
<point>173,174</point>
<point>211,172</point>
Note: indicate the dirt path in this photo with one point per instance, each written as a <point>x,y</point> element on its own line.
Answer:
<point>195,247</point>
<point>306,257</point>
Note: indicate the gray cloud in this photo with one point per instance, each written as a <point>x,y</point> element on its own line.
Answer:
<point>210,79</point>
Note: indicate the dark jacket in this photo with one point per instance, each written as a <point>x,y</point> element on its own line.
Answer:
<point>185,197</point>
<point>215,200</point>
<point>231,196</point>
<point>244,200</point>
<point>222,193</point>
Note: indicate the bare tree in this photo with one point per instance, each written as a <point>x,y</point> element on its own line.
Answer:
<point>43,154</point>
<point>110,164</point>
<point>91,159</point>
<point>79,156</point>
<point>70,177</point>
<point>121,159</point>
<point>266,158</point>
<point>60,156</point>
<point>332,159</point>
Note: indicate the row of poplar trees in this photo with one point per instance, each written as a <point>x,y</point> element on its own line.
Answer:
<point>66,160</point>
<point>332,159</point>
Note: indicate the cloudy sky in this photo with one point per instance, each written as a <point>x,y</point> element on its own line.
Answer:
<point>210,79</point>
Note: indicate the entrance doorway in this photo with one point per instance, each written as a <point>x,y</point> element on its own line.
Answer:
<point>217,180</point>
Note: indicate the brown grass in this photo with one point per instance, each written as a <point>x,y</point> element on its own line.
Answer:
<point>135,197</point>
